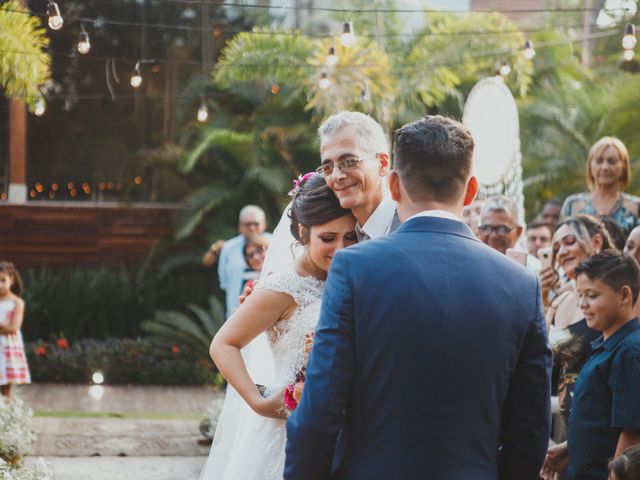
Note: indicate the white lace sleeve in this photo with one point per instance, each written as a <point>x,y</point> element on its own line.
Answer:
<point>303,290</point>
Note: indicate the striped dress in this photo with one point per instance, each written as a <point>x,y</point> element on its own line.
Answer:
<point>13,360</point>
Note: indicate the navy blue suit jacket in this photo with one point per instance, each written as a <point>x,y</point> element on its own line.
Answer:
<point>430,361</point>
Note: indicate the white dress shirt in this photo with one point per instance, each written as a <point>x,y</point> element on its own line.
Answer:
<point>379,223</point>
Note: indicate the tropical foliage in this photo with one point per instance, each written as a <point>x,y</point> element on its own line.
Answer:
<point>192,332</point>
<point>24,64</point>
<point>389,79</point>
<point>103,302</point>
<point>254,147</point>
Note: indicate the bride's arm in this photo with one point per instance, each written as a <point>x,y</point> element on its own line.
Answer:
<point>261,310</point>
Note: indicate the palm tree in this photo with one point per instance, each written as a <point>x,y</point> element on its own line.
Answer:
<point>24,65</point>
<point>248,155</point>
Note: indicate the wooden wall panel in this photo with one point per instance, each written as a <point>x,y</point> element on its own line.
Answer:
<point>68,234</point>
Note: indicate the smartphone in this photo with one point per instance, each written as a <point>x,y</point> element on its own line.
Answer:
<point>544,255</point>
<point>520,257</point>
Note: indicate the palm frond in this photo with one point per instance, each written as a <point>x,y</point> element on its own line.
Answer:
<point>24,64</point>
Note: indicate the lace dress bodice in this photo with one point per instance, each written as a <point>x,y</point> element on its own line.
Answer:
<point>286,337</point>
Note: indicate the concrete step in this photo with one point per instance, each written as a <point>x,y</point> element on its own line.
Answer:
<point>125,468</point>
<point>87,437</point>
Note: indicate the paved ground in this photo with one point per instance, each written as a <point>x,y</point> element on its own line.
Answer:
<point>117,399</point>
<point>126,468</point>
<point>82,437</point>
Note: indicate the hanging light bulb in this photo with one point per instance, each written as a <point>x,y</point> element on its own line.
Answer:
<point>324,82</point>
<point>505,69</point>
<point>40,108</point>
<point>628,55</point>
<point>629,40</point>
<point>136,78</point>
<point>55,19</point>
<point>84,45</point>
<point>203,113</point>
<point>529,51</point>
<point>332,58</point>
<point>348,37</point>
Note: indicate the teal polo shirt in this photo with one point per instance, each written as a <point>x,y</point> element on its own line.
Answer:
<point>606,400</point>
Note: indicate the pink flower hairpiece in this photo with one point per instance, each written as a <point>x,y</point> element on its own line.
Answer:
<point>298,182</point>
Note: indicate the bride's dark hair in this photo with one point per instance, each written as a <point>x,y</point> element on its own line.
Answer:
<point>314,204</point>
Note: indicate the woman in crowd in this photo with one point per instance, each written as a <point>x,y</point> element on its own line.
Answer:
<point>574,240</point>
<point>608,173</point>
<point>254,251</point>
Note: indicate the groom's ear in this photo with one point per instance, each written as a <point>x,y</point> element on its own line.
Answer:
<point>394,185</point>
<point>472,191</point>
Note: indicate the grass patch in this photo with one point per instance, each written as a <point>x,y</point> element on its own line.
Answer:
<point>128,415</point>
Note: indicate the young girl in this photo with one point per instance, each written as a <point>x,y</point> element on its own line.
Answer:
<point>13,361</point>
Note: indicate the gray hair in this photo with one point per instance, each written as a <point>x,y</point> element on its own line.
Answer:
<point>500,203</point>
<point>251,210</point>
<point>371,137</point>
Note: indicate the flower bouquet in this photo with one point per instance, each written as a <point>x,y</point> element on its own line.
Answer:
<point>293,392</point>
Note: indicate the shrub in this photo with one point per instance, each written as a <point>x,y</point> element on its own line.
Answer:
<point>106,302</point>
<point>122,361</point>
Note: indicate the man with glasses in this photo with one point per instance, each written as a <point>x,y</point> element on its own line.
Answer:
<point>230,254</point>
<point>499,228</point>
<point>354,156</point>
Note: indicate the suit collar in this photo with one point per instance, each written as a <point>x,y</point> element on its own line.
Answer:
<point>437,224</point>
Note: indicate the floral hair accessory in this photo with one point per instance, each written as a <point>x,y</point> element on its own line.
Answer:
<point>298,182</point>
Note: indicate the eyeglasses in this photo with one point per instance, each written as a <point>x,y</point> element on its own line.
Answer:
<point>254,253</point>
<point>344,165</point>
<point>501,230</point>
<point>250,224</point>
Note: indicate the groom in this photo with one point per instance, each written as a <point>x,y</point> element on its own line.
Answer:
<point>430,357</point>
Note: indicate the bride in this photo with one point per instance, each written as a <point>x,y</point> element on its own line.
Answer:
<point>286,306</point>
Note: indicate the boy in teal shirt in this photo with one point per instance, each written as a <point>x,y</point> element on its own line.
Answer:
<point>605,413</point>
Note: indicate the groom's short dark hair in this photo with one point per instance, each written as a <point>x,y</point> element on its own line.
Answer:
<point>433,158</point>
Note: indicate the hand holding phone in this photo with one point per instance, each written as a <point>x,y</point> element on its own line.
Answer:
<point>544,255</point>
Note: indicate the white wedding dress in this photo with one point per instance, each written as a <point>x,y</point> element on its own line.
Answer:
<point>247,446</point>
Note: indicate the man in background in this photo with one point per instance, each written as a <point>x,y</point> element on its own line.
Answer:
<point>499,228</point>
<point>230,256</point>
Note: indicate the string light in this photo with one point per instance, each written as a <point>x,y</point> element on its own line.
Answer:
<point>55,19</point>
<point>203,113</point>
<point>529,51</point>
<point>324,82</point>
<point>629,40</point>
<point>136,78</point>
<point>84,45</point>
<point>332,58</point>
<point>505,69</point>
<point>40,108</point>
<point>348,37</point>
<point>628,55</point>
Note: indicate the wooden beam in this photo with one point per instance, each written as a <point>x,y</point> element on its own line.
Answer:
<point>18,147</point>
<point>17,151</point>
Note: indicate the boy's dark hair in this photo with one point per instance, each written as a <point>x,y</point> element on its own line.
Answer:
<point>627,465</point>
<point>433,158</point>
<point>613,269</point>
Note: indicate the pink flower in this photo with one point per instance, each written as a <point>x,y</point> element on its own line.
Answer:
<point>290,403</point>
<point>298,182</point>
